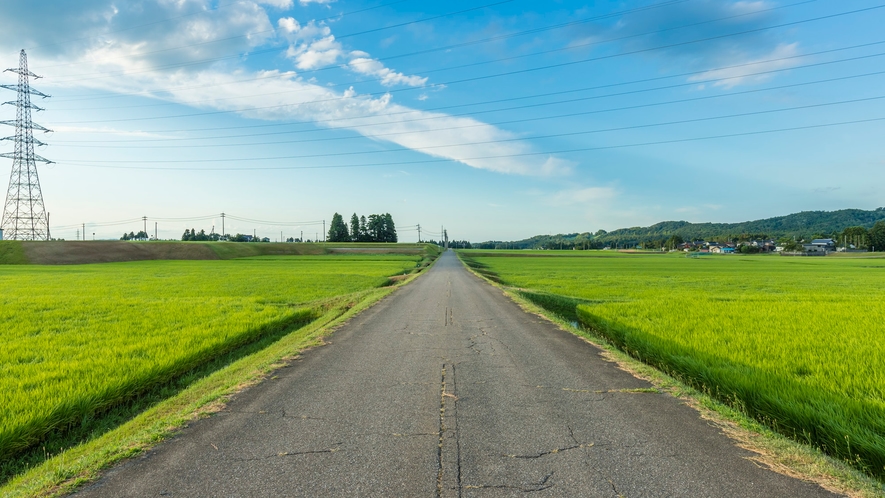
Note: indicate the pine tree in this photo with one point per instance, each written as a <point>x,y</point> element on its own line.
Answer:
<point>354,228</point>
<point>389,229</point>
<point>877,236</point>
<point>338,229</point>
<point>364,230</point>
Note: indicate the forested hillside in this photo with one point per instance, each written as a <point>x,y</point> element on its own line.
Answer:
<point>804,225</point>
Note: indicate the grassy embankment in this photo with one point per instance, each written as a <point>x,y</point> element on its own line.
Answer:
<point>797,343</point>
<point>88,343</point>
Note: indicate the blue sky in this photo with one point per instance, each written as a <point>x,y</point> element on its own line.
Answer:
<point>497,119</point>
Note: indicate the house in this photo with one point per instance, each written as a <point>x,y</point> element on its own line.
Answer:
<point>820,245</point>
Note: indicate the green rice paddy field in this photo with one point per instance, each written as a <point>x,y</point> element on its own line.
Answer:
<point>798,343</point>
<point>80,339</point>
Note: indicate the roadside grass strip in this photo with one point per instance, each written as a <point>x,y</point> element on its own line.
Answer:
<point>798,344</point>
<point>79,340</point>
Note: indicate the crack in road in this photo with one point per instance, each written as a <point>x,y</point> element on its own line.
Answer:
<point>450,410</point>
<point>541,485</point>
<point>442,428</point>
<point>552,452</point>
<point>288,453</point>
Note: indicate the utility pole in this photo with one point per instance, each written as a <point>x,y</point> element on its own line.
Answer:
<point>222,223</point>
<point>144,218</point>
<point>24,215</point>
<point>446,235</point>
<point>302,236</point>
<point>419,233</point>
<point>155,231</point>
<point>324,231</point>
<point>84,231</point>
<point>78,234</point>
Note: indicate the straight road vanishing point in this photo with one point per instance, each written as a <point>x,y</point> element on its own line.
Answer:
<point>447,388</point>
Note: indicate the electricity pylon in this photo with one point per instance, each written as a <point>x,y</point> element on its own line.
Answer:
<point>24,215</point>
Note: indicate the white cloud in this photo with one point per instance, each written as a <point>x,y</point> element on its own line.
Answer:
<point>280,4</point>
<point>744,72</point>
<point>313,45</point>
<point>323,52</point>
<point>321,2</point>
<point>388,77</point>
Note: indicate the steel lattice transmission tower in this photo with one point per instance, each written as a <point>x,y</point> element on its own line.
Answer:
<point>24,215</point>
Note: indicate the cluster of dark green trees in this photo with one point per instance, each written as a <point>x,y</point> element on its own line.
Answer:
<point>193,236</point>
<point>375,228</point>
<point>861,238</point>
<point>141,235</point>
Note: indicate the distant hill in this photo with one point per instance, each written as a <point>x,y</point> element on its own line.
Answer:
<point>804,225</point>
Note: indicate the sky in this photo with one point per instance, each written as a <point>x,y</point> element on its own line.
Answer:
<point>496,119</point>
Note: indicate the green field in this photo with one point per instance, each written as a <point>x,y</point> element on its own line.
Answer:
<point>77,340</point>
<point>798,343</point>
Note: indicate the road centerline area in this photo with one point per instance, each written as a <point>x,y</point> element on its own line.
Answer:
<point>490,401</point>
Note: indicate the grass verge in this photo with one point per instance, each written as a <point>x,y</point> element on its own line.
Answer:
<point>156,417</point>
<point>775,451</point>
<point>12,253</point>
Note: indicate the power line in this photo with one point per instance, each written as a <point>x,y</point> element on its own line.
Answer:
<point>422,52</point>
<point>104,74</point>
<point>512,121</point>
<point>217,8</point>
<point>499,156</point>
<point>474,64</point>
<point>555,135</point>
<point>548,94</point>
<point>492,61</point>
<point>477,78</point>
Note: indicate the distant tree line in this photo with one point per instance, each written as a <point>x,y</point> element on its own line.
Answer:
<point>860,237</point>
<point>375,228</point>
<point>141,235</point>
<point>193,236</point>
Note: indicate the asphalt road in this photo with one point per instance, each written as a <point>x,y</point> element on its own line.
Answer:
<point>447,388</point>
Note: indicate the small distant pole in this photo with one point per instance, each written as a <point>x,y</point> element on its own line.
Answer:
<point>324,231</point>
<point>222,223</point>
<point>281,235</point>
<point>155,231</point>
<point>419,233</point>
<point>302,236</point>
<point>145,225</point>
<point>78,234</point>
<point>84,231</point>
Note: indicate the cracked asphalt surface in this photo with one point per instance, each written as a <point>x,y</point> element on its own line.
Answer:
<point>447,388</point>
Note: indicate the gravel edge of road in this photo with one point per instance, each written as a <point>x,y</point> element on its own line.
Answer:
<point>775,451</point>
